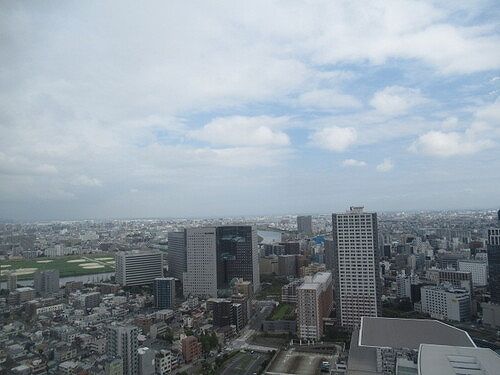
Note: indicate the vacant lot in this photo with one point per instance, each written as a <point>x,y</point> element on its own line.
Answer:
<point>68,266</point>
<point>298,363</point>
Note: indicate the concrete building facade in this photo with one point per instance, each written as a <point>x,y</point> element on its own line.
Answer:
<point>477,268</point>
<point>138,267</point>
<point>446,303</point>
<point>201,276</point>
<point>46,282</point>
<point>122,342</point>
<point>314,303</point>
<point>304,224</point>
<point>356,265</point>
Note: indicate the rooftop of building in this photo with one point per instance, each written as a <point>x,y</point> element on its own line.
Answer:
<point>313,286</point>
<point>139,252</point>
<point>321,277</point>
<point>410,333</point>
<point>480,261</point>
<point>362,359</point>
<point>447,288</point>
<point>452,360</point>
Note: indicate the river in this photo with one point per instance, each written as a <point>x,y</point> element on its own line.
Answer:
<point>269,236</point>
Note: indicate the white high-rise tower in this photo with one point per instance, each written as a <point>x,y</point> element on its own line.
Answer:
<point>356,268</point>
<point>201,276</point>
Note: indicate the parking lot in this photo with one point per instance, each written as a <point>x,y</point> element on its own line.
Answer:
<point>297,363</point>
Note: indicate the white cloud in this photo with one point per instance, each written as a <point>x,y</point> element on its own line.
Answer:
<point>243,131</point>
<point>21,165</point>
<point>335,138</point>
<point>327,100</point>
<point>489,112</point>
<point>395,100</point>
<point>437,143</point>
<point>353,163</point>
<point>385,166</point>
<point>103,106</point>
<point>83,180</point>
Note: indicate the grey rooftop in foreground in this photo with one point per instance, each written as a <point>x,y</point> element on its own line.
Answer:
<point>410,333</point>
<point>362,360</point>
<point>452,360</point>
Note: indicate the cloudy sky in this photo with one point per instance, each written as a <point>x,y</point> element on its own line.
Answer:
<point>210,108</point>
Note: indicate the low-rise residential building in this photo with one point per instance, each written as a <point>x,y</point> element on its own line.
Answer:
<point>191,349</point>
<point>164,362</point>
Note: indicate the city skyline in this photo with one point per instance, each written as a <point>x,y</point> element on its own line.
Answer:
<point>287,105</point>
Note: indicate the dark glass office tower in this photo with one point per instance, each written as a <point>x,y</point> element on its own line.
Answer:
<point>164,292</point>
<point>177,255</point>
<point>237,255</point>
<point>494,263</point>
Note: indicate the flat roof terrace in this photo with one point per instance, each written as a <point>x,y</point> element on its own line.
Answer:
<point>410,333</point>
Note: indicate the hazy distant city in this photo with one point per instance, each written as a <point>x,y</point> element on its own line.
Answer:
<point>289,294</point>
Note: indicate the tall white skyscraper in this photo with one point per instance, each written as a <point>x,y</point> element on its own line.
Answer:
<point>356,268</point>
<point>138,267</point>
<point>122,342</point>
<point>201,276</point>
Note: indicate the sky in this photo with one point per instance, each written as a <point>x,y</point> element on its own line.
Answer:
<point>210,108</point>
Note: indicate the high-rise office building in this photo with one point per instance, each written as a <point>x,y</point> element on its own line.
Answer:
<point>122,342</point>
<point>138,267</point>
<point>217,256</point>
<point>314,303</point>
<point>328,251</point>
<point>304,224</point>
<point>493,249</point>
<point>164,292</point>
<point>356,265</point>
<point>46,282</point>
<point>237,255</point>
<point>200,279</point>
<point>177,258</point>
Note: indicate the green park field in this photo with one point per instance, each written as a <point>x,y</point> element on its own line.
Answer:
<point>75,265</point>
